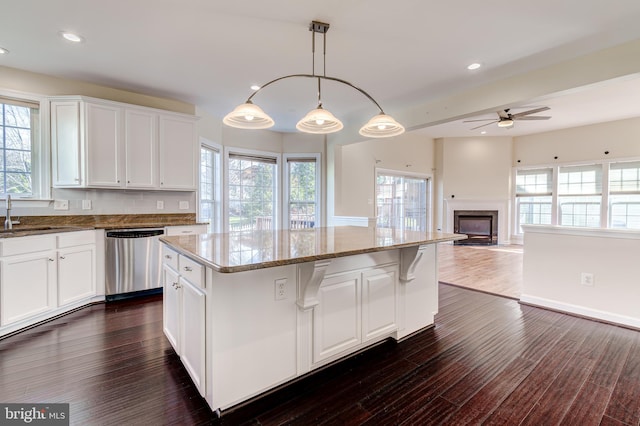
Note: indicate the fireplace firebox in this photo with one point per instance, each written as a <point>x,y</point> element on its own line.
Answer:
<point>481,226</point>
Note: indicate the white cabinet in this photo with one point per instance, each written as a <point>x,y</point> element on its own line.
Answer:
<point>103,144</point>
<point>184,312</point>
<point>179,153</point>
<point>354,308</point>
<point>44,276</point>
<point>185,230</point>
<point>76,274</point>
<point>28,286</point>
<point>102,127</point>
<point>141,145</point>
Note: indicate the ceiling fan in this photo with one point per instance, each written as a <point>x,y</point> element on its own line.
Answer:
<point>505,119</point>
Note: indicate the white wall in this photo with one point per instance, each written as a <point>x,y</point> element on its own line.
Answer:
<point>621,138</point>
<point>555,258</point>
<point>354,167</point>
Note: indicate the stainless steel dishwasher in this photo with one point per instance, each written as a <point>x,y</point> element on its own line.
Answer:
<point>132,262</point>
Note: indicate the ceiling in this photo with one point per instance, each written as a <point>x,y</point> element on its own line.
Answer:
<point>404,53</point>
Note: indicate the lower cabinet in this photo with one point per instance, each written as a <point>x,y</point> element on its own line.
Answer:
<point>28,286</point>
<point>354,308</point>
<point>44,276</point>
<point>184,316</point>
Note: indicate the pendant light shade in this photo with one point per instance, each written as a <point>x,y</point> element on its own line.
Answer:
<point>319,121</point>
<point>248,116</point>
<point>382,126</point>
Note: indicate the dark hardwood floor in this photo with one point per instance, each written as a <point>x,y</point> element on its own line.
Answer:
<point>488,360</point>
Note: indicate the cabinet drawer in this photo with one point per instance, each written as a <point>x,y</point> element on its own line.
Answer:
<point>191,271</point>
<point>185,230</point>
<point>169,257</point>
<point>22,245</point>
<point>80,238</point>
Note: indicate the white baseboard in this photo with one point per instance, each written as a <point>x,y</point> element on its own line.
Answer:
<point>581,311</point>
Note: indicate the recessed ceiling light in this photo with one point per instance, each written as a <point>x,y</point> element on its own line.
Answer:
<point>75,38</point>
<point>474,66</point>
<point>3,51</point>
<point>255,87</point>
<point>484,132</point>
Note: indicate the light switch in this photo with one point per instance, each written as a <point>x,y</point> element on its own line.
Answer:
<point>184,205</point>
<point>61,204</point>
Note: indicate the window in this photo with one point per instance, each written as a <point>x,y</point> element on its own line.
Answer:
<point>303,191</point>
<point>401,202</point>
<point>624,195</point>
<point>251,189</point>
<point>533,197</point>
<point>20,133</point>
<point>580,195</point>
<point>210,187</point>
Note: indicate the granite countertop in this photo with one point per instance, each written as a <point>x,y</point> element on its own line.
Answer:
<point>37,225</point>
<point>248,250</point>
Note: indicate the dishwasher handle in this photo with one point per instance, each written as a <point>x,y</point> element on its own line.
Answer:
<point>139,233</point>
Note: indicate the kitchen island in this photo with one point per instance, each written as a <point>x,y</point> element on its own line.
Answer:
<point>250,311</point>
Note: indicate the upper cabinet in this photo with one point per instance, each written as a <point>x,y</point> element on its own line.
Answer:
<point>103,144</point>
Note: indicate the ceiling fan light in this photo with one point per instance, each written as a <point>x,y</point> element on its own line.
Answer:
<point>382,126</point>
<point>248,116</point>
<point>505,123</point>
<point>319,121</point>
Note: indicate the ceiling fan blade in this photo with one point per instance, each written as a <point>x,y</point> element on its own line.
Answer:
<point>531,111</point>
<point>533,117</point>
<point>482,119</point>
<point>482,125</point>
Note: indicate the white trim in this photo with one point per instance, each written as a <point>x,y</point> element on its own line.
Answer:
<point>352,221</point>
<point>625,234</point>
<point>204,142</point>
<point>580,310</point>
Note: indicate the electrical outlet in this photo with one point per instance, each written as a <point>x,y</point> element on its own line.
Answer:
<point>184,205</point>
<point>86,204</point>
<point>281,289</point>
<point>160,205</point>
<point>586,278</point>
<point>61,204</point>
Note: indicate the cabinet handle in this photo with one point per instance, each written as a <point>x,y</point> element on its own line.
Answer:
<point>51,260</point>
<point>174,285</point>
<point>188,268</point>
<point>62,257</point>
<point>167,256</point>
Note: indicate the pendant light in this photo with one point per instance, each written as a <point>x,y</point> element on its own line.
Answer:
<point>318,120</point>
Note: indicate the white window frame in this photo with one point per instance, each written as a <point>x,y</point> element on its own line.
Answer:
<point>40,152</point>
<point>285,192</point>
<point>412,175</point>
<point>215,226</point>
<point>278,185</point>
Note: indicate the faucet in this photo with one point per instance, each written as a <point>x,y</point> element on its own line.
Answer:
<point>8,224</point>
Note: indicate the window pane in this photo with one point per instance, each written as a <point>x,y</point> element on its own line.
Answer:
<point>580,180</point>
<point>533,181</point>
<point>402,202</point>
<point>534,211</point>
<point>15,148</point>
<point>580,211</point>
<point>302,193</point>
<point>209,203</point>
<point>624,177</point>
<point>624,211</point>
<point>251,192</point>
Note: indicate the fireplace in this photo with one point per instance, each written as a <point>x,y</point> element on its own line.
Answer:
<point>481,226</point>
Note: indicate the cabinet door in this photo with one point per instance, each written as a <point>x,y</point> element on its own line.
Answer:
<point>28,286</point>
<point>193,333</point>
<point>171,307</point>
<point>379,303</point>
<point>141,149</point>
<point>179,153</point>
<point>104,145</point>
<point>76,274</point>
<point>65,144</point>
<point>336,319</point>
